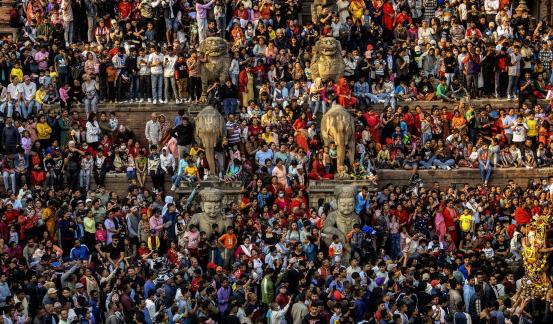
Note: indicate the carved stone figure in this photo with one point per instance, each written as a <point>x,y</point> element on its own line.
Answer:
<point>338,126</point>
<point>214,51</point>
<point>327,62</point>
<point>340,222</point>
<point>316,8</point>
<point>209,130</point>
<point>212,211</point>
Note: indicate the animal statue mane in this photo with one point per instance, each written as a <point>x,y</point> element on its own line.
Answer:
<point>327,62</point>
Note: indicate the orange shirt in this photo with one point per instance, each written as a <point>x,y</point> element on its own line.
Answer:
<point>228,241</point>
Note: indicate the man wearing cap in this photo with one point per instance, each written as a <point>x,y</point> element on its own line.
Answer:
<point>51,296</point>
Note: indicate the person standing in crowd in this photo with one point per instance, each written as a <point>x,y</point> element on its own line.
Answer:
<point>155,61</point>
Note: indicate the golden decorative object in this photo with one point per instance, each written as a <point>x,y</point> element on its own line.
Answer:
<point>535,282</point>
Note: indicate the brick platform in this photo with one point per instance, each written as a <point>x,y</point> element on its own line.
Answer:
<point>136,115</point>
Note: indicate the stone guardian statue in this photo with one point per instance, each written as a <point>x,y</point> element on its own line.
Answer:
<point>215,62</point>
<point>327,62</point>
<point>212,211</point>
<point>340,222</point>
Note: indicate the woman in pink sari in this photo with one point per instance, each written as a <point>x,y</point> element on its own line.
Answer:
<point>439,224</point>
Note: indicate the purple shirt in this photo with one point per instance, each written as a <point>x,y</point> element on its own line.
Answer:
<point>201,9</point>
<point>223,296</point>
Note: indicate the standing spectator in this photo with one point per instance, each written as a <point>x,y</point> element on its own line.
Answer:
<point>153,130</point>
<point>169,63</point>
<point>155,61</point>
<point>195,88</point>
<point>201,17</point>
<point>67,16</point>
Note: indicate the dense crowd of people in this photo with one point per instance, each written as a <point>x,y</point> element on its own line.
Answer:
<point>73,251</point>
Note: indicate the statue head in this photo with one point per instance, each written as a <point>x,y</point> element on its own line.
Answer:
<point>212,201</point>
<point>345,199</point>
<point>328,46</point>
<point>214,46</point>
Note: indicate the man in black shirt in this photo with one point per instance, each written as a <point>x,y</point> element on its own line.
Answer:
<point>229,94</point>
<point>184,133</point>
<point>181,75</point>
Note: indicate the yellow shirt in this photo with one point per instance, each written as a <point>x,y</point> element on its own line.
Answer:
<point>39,96</point>
<point>89,225</point>
<point>194,151</point>
<point>532,127</point>
<point>465,222</point>
<point>267,120</point>
<point>268,138</point>
<point>191,170</point>
<point>43,131</point>
<point>18,73</point>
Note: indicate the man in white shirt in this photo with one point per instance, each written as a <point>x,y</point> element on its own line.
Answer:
<point>153,130</point>
<point>28,94</point>
<point>15,94</point>
<point>169,74</point>
<point>155,60</point>
<point>167,162</point>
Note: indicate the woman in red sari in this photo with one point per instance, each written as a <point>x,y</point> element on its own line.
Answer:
<point>343,92</point>
<point>388,13</point>
<point>373,121</point>
<point>318,171</point>
<point>450,217</point>
<point>300,128</point>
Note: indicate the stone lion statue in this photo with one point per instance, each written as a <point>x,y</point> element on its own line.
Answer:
<point>338,126</point>
<point>216,64</point>
<point>209,130</point>
<point>212,211</point>
<point>327,62</point>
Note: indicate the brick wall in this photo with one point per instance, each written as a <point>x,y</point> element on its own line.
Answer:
<point>458,177</point>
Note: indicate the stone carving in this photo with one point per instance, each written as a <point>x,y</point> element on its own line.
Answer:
<point>338,126</point>
<point>316,8</point>
<point>215,63</point>
<point>327,62</point>
<point>340,222</point>
<point>210,129</point>
<point>212,211</point>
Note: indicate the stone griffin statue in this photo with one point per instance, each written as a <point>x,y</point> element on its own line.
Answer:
<point>210,129</point>
<point>212,211</point>
<point>338,126</point>
<point>327,62</point>
<point>535,283</point>
<point>340,222</point>
<point>215,62</point>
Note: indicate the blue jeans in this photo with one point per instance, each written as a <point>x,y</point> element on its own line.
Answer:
<point>26,110</point>
<point>7,177</point>
<point>84,175</point>
<point>395,245</point>
<point>427,164</point>
<point>486,174</point>
<point>133,86</point>
<point>157,86</point>
<point>229,106</point>
<point>444,165</point>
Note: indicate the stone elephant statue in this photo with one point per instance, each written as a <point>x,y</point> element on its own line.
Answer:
<point>210,129</point>
<point>338,126</point>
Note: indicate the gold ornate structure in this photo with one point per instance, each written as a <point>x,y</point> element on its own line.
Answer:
<point>535,282</point>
